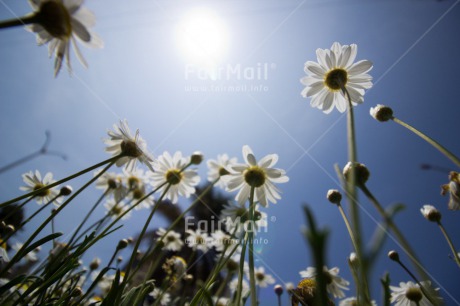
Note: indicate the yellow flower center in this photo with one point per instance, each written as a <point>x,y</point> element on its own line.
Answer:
<point>223,171</point>
<point>254,176</point>
<point>138,194</point>
<point>414,294</point>
<point>130,148</point>
<point>55,18</point>
<point>173,176</point>
<point>116,210</point>
<point>112,184</point>
<point>133,182</point>
<point>336,79</point>
<point>260,276</point>
<point>43,193</point>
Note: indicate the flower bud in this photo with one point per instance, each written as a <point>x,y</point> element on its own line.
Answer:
<point>66,190</point>
<point>393,255</point>
<point>123,243</point>
<point>196,158</point>
<point>334,196</point>
<point>431,213</point>
<point>381,113</point>
<point>361,173</point>
<point>95,263</point>
<point>278,290</point>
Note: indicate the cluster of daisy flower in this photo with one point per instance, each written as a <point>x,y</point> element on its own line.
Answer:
<point>160,275</point>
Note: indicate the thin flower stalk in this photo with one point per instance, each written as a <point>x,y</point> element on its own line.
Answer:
<point>144,229</point>
<point>88,215</point>
<point>111,160</point>
<point>154,264</point>
<point>347,224</point>
<point>399,236</point>
<point>449,241</point>
<point>431,141</point>
<point>352,198</point>
<point>252,279</point>
<point>20,254</point>
<point>215,272</point>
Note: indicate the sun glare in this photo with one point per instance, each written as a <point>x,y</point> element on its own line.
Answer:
<point>202,37</point>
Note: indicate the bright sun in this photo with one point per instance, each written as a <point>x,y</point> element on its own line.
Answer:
<point>202,37</point>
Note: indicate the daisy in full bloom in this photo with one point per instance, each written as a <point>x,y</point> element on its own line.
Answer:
<point>172,240</point>
<point>133,148</point>
<point>410,294</point>
<point>170,169</point>
<point>60,23</point>
<point>260,175</point>
<point>198,240</point>
<point>335,284</point>
<point>111,183</point>
<point>236,216</point>
<point>233,285</point>
<point>263,279</point>
<point>34,181</point>
<point>334,73</point>
<point>137,181</point>
<point>116,209</point>
<point>219,167</point>
<point>352,301</point>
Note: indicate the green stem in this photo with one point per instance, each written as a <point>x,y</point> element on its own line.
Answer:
<point>352,198</point>
<point>347,224</point>
<point>22,21</point>
<point>153,266</point>
<point>19,253</point>
<point>252,279</point>
<point>399,236</point>
<point>451,244</point>
<point>144,229</point>
<point>111,160</point>
<point>239,287</point>
<point>88,215</point>
<point>431,141</point>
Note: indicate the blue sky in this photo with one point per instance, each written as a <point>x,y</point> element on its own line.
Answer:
<point>141,75</point>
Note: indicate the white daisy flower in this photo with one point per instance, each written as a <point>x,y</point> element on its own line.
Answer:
<point>34,181</point>
<point>172,240</point>
<point>236,219</point>
<point>335,284</point>
<point>169,169</point>
<point>263,279</point>
<point>132,147</point>
<point>333,71</point>
<point>137,181</point>
<point>111,183</point>
<point>219,167</point>
<point>31,256</point>
<point>260,175</point>
<point>233,285</point>
<point>409,294</point>
<point>198,240</point>
<point>220,301</point>
<point>116,209</point>
<point>158,293</point>
<point>60,23</point>
<point>352,301</point>
<point>221,240</point>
